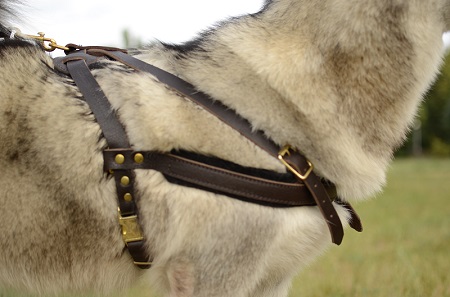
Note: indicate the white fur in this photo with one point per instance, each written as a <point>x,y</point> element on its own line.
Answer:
<point>338,79</point>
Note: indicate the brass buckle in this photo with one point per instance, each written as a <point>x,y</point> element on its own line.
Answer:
<point>131,231</point>
<point>286,150</point>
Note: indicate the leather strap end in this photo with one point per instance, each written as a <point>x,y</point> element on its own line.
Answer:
<point>304,172</point>
<point>355,221</point>
<point>140,256</point>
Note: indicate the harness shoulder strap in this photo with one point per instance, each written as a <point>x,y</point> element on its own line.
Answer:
<point>116,137</point>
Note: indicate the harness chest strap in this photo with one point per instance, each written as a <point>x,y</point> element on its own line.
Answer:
<point>117,141</point>
<point>180,169</point>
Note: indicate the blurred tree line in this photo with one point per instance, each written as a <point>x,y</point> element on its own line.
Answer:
<point>431,133</point>
<point>129,40</point>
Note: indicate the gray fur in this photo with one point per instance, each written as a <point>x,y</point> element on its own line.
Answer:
<point>339,79</point>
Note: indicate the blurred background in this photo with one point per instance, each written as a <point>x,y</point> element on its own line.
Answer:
<point>128,23</point>
<point>404,250</point>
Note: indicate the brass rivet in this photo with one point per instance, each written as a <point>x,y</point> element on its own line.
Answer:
<point>138,158</point>
<point>125,181</point>
<point>127,197</point>
<point>120,159</point>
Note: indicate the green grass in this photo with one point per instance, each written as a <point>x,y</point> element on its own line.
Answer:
<point>404,249</point>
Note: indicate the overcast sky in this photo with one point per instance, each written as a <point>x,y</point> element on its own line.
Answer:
<point>100,22</point>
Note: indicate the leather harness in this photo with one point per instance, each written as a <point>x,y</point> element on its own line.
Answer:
<point>300,186</point>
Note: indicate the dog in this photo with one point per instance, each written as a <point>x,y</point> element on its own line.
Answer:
<point>339,80</point>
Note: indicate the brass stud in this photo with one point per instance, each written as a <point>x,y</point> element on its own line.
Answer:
<point>139,158</point>
<point>125,180</point>
<point>127,197</point>
<point>119,159</point>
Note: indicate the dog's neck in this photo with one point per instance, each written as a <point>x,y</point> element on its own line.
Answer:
<point>343,91</point>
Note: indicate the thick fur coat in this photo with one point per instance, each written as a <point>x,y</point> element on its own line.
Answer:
<point>340,80</point>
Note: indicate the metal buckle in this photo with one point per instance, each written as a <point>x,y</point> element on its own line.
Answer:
<point>286,151</point>
<point>49,44</point>
<point>131,231</point>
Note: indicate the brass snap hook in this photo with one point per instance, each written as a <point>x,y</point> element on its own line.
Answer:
<point>49,44</point>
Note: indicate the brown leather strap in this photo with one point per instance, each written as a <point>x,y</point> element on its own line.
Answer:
<point>303,169</point>
<point>217,179</point>
<point>74,48</point>
<point>116,137</point>
<point>112,129</point>
<point>355,221</point>
<point>231,118</point>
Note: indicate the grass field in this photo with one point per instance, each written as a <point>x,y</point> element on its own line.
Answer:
<point>404,250</point>
<point>405,247</point>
